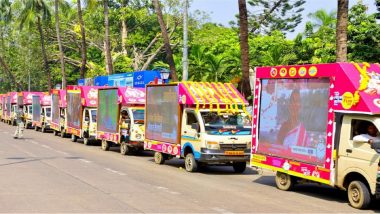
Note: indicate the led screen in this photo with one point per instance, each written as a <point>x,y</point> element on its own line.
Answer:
<point>9,106</point>
<point>108,110</point>
<point>73,109</point>
<point>36,108</point>
<point>55,108</point>
<point>293,119</point>
<point>162,114</point>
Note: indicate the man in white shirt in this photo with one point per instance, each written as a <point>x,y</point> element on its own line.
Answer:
<point>371,137</point>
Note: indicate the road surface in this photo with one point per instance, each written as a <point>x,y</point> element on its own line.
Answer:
<point>45,173</point>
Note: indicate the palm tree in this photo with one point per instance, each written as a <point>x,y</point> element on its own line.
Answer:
<point>83,47</point>
<point>34,12</point>
<point>323,18</point>
<point>107,43</point>
<point>61,55</point>
<point>341,31</point>
<point>165,36</point>
<point>244,85</point>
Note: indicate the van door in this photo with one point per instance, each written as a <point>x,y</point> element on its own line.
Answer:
<point>191,130</point>
<point>86,120</point>
<point>356,156</point>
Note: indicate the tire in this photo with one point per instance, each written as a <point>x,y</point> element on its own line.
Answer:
<point>36,128</point>
<point>105,145</point>
<point>358,195</point>
<point>284,181</point>
<point>55,133</point>
<point>239,167</point>
<point>43,129</point>
<point>86,141</point>
<point>74,138</point>
<point>191,165</point>
<point>159,158</point>
<point>62,133</point>
<point>124,149</point>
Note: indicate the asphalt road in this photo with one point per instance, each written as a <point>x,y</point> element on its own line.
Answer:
<point>45,173</point>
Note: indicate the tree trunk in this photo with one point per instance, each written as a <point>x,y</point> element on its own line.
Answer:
<point>107,44</point>
<point>164,33</point>
<point>124,35</point>
<point>244,87</point>
<point>341,31</point>
<point>44,55</point>
<point>10,74</point>
<point>83,67</point>
<point>61,56</point>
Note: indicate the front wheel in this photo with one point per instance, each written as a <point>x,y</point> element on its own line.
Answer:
<point>105,145</point>
<point>239,167</point>
<point>284,181</point>
<point>124,149</point>
<point>62,133</point>
<point>74,138</point>
<point>191,165</point>
<point>358,195</point>
<point>86,141</point>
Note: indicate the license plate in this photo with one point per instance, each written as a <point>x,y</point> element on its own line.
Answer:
<point>234,152</point>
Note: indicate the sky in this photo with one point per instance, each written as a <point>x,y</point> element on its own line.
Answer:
<point>224,11</point>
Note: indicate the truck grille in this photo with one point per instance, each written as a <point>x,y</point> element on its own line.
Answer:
<point>232,146</point>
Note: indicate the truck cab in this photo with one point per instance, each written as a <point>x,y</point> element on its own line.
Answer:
<point>89,124</point>
<point>216,138</point>
<point>131,129</point>
<point>357,164</point>
<point>45,118</point>
<point>13,114</point>
<point>28,111</point>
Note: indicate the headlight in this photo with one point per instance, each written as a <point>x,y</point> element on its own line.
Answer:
<point>212,145</point>
<point>138,136</point>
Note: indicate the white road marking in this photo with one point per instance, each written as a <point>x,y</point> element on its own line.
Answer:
<point>114,171</point>
<point>61,152</point>
<point>86,161</point>
<point>47,147</point>
<point>165,189</point>
<point>220,210</point>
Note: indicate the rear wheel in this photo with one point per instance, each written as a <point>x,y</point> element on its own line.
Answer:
<point>105,145</point>
<point>284,181</point>
<point>74,138</point>
<point>358,195</point>
<point>191,165</point>
<point>159,158</point>
<point>239,167</point>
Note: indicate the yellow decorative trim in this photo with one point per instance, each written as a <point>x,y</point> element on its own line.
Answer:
<point>238,97</point>
<point>297,174</point>
<point>192,95</point>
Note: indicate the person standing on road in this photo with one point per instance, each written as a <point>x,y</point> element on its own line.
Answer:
<point>20,123</point>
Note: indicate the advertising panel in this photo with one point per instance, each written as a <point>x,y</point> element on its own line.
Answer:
<point>108,110</point>
<point>293,117</point>
<point>36,108</point>
<point>73,109</point>
<point>162,114</point>
<point>55,108</point>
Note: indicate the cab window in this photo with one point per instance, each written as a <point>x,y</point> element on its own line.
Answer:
<point>86,115</point>
<point>191,118</point>
<point>359,127</point>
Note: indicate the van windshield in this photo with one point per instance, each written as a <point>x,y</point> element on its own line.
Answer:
<point>30,109</point>
<point>93,115</point>
<point>226,123</point>
<point>138,116</point>
<point>48,112</point>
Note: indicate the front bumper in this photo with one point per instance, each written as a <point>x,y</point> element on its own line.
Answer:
<point>220,156</point>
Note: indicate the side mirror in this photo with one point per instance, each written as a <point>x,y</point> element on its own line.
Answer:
<point>359,141</point>
<point>195,126</point>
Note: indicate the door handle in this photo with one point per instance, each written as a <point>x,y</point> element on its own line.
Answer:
<point>349,150</point>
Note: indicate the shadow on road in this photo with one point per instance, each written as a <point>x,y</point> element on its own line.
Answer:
<point>25,161</point>
<point>320,191</point>
<point>208,169</point>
